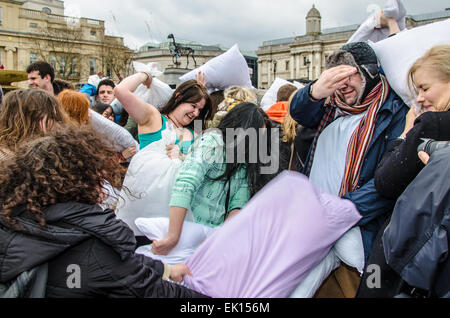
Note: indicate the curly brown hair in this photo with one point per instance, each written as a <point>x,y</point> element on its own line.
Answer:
<point>24,113</point>
<point>67,165</point>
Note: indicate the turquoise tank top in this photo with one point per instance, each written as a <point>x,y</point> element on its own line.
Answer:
<point>147,139</point>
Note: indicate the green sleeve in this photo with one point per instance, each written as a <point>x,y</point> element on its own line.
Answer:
<point>242,193</point>
<point>194,170</point>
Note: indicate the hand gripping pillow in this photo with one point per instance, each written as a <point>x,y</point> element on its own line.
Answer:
<point>223,71</point>
<point>159,92</point>
<point>270,98</point>
<point>192,236</point>
<point>398,53</point>
<point>368,31</point>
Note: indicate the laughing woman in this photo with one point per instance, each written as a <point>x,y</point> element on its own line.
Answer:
<point>164,138</point>
<point>429,77</point>
<point>190,101</point>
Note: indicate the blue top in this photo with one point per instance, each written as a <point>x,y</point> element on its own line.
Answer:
<point>147,139</point>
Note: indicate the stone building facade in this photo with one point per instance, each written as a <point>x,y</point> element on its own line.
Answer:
<point>303,58</point>
<point>76,47</point>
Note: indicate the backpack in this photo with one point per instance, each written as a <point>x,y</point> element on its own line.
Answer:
<point>29,284</point>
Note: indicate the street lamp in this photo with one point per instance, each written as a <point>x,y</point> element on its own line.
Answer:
<point>274,69</point>
<point>307,63</point>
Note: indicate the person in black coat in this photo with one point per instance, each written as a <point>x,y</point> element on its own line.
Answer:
<point>431,79</point>
<point>401,165</point>
<point>50,219</point>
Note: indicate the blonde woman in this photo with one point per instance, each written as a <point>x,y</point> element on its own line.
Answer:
<point>232,96</point>
<point>429,77</point>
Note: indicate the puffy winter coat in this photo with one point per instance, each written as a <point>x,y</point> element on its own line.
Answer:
<point>416,242</point>
<point>89,254</point>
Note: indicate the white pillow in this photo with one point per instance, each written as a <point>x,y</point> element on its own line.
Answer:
<point>151,68</point>
<point>192,236</point>
<point>398,53</point>
<point>350,249</point>
<point>121,138</point>
<point>368,32</point>
<point>223,71</point>
<point>270,98</point>
<point>309,287</point>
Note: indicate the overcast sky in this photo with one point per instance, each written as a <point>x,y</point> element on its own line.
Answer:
<point>246,22</point>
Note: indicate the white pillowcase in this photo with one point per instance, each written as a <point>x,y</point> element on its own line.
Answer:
<point>309,287</point>
<point>368,32</point>
<point>223,71</point>
<point>270,98</point>
<point>397,54</point>
<point>350,249</point>
<point>192,236</point>
<point>120,137</point>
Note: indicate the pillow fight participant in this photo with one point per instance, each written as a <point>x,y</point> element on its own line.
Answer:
<point>278,112</point>
<point>51,219</point>
<point>76,106</point>
<point>357,116</point>
<point>152,171</point>
<point>189,102</point>
<point>105,92</point>
<point>212,186</point>
<point>232,96</point>
<point>60,85</point>
<point>41,75</point>
<point>105,110</point>
<point>27,114</point>
<point>430,79</point>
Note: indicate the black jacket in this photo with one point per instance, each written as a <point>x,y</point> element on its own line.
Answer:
<point>416,242</point>
<point>401,164</point>
<point>99,247</point>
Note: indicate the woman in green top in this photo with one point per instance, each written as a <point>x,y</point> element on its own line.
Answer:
<point>190,101</point>
<point>220,174</point>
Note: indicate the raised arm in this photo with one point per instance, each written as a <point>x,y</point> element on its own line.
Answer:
<point>144,113</point>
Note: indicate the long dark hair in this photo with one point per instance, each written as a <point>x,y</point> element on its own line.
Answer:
<point>245,116</point>
<point>191,92</point>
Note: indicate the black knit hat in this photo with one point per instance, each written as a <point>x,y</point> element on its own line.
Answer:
<point>363,57</point>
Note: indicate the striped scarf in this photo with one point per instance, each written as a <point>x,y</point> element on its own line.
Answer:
<point>361,138</point>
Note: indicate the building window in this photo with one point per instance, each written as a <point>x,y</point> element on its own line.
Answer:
<point>33,58</point>
<point>47,10</point>
<point>92,66</point>
<point>73,67</point>
<point>1,15</point>
<point>93,33</point>
<point>53,61</point>
<point>33,25</point>
<point>62,65</point>
<point>287,65</point>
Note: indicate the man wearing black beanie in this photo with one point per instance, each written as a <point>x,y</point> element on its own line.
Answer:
<point>357,115</point>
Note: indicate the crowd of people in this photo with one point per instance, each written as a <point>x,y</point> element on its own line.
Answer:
<point>179,201</point>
